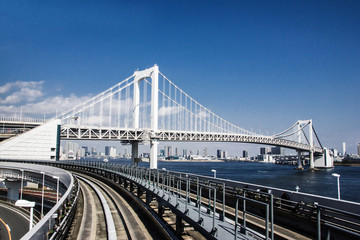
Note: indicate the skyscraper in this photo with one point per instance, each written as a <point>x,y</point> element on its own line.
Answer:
<point>359,149</point>
<point>344,148</point>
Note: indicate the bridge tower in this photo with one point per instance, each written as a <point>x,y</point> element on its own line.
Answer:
<point>152,73</point>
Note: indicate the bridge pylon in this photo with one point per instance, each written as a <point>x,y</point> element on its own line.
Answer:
<point>152,73</point>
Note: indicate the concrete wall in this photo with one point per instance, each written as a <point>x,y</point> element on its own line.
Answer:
<point>38,143</point>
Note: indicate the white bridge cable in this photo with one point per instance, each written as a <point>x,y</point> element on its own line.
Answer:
<point>193,115</point>
<point>288,129</point>
<point>223,125</point>
<point>292,133</point>
<point>85,105</point>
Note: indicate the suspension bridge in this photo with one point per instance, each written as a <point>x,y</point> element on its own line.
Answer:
<point>145,108</point>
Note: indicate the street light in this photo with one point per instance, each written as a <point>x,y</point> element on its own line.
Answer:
<point>57,188</point>
<point>42,195</point>
<point>214,171</point>
<point>22,181</point>
<point>31,205</point>
<point>338,183</point>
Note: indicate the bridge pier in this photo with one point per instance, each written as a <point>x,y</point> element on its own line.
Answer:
<point>153,153</point>
<point>299,162</point>
<point>134,153</point>
<point>311,156</point>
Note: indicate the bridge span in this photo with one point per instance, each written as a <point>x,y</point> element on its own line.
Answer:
<point>147,107</point>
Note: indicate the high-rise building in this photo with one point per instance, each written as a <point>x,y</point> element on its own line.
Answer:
<point>344,148</point>
<point>205,152</point>
<point>245,154</point>
<point>219,153</point>
<point>359,149</point>
<point>277,151</point>
<point>110,151</point>
<point>168,151</point>
<point>93,151</point>
<point>265,150</point>
<point>71,146</point>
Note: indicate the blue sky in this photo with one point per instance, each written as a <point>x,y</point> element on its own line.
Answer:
<point>261,65</point>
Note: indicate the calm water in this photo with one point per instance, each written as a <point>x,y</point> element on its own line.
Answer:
<point>281,176</point>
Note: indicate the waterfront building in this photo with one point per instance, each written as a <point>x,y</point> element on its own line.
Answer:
<point>184,152</point>
<point>93,151</point>
<point>110,151</point>
<point>265,150</point>
<point>162,152</point>
<point>71,146</point>
<point>277,150</point>
<point>245,154</point>
<point>205,152</point>
<point>359,149</point>
<point>344,148</point>
<point>265,158</point>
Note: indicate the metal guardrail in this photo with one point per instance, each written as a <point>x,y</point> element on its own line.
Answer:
<point>56,221</point>
<point>25,120</point>
<point>179,183</point>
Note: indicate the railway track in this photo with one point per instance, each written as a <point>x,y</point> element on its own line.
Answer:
<point>94,223</point>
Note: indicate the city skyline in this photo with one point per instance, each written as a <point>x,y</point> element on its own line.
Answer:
<point>261,66</point>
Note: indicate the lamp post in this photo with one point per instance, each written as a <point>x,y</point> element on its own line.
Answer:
<point>42,195</point>
<point>214,171</point>
<point>338,183</point>
<point>31,205</point>
<point>22,181</point>
<point>57,188</point>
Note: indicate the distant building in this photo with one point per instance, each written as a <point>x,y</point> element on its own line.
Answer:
<point>205,152</point>
<point>344,148</point>
<point>71,147</point>
<point>245,154</point>
<point>359,149</point>
<point>162,152</point>
<point>110,151</point>
<point>220,154</point>
<point>168,151</point>
<point>265,158</point>
<point>277,151</point>
<point>265,150</point>
<point>93,151</point>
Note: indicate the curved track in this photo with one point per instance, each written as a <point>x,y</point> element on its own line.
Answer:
<point>93,224</point>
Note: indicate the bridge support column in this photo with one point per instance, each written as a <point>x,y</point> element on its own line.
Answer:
<point>13,189</point>
<point>299,162</point>
<point>311,157</point>
<point>153,153</point>
<point>134,153</point>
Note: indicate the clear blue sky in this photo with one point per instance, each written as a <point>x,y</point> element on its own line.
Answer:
<point>259,64</point>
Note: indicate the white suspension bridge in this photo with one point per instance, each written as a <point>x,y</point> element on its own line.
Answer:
<point>147,107</point>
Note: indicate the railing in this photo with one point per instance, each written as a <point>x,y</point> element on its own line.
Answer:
<point>57,221</point>
<point>22,120</point>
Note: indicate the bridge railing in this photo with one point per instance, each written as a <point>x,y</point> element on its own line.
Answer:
<point>332,220</point>
<point>20,120</point>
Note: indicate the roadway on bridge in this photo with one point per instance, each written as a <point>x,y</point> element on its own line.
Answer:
<point>17,222</point>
